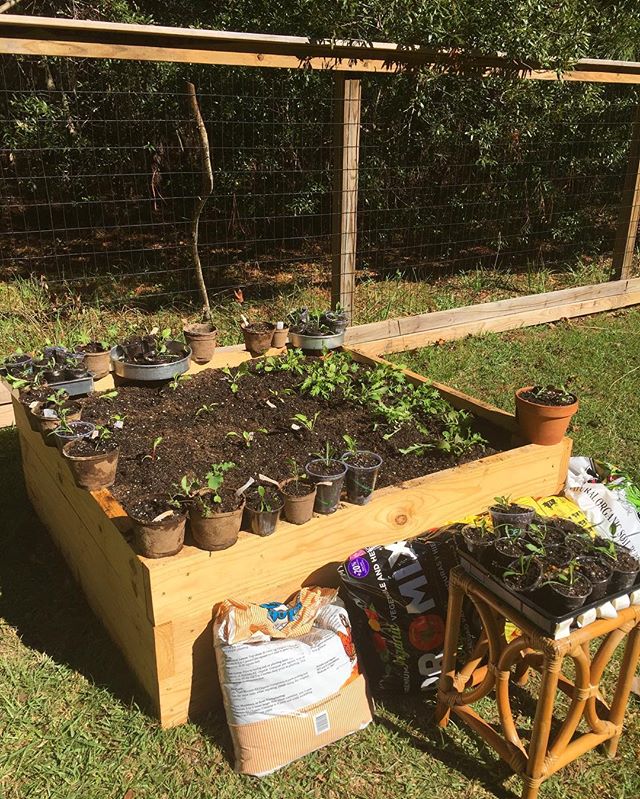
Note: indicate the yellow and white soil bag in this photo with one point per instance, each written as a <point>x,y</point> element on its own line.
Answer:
<point>289,676</point>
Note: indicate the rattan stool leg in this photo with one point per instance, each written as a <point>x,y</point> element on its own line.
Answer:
<point>623,689</point>
<point>542,726</point>
<point>454,613</point>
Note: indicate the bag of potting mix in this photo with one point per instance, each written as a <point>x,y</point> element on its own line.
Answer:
<point>608,498</point>
<point>397,597</point>
<point>289,676</point>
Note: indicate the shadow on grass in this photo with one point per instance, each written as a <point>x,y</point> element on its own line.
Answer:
<point>39,597</point>
<point>478,763</point>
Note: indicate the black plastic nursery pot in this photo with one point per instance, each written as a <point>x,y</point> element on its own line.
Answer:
<point>17,366</point>
<point>477,542</point>
<point>556,599</point>
<point>625,570</point>
<point>517,516</point>
<point>362,472</point>
<point>76,431</point>
<point>329,478</point>
<point>526,583</point>
<point>264,522</point>
<point>598,573</point>
<point>504,552</point>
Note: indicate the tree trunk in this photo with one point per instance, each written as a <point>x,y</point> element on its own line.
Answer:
<point>205,193</point>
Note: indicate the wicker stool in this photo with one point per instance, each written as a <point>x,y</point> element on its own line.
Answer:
<point>489,668</point>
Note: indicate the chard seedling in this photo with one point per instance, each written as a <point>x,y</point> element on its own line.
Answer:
<point>519,570</point>
<point>207,408</point>
<point>247,436</point>
<point>153,455</point>
<point>300,420</point>
<point>265,505</point>
<point>178,380</point>
<point>329,454</point>
<point>233,378</point>
<point>352,444</point>
<point>215,478</point>
<point>109,395</point>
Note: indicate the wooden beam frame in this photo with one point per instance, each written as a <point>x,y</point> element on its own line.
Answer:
<point>346,157</point>
<point>629,213</point>
<point>28,35</point>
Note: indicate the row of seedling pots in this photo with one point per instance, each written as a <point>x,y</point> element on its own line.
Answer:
<point>553,562</point>
<point>216,516</point>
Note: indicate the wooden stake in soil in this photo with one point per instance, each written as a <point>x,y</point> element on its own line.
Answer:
<point>205,193</point>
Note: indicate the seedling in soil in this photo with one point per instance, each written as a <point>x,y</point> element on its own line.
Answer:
<point>328,455</point>
<point>109,395</point>
<point>608,549</point>
<point>207,408</point>
<point>18,383</point>
<point>162,336</point>
<point>58,399</point>
<point>233,378</point>
<point>502,503</point>
<point>153,455</point>
<point>265,505</point>
<point>178,380</point>
<point>300,420</point>
<point>567,575</point>
<point>215,478</point>
<point>246,435</point>
<point>352,444</point>
<point>519,567</point>
<point>550,395</point>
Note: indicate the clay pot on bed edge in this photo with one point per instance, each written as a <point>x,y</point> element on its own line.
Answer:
<point>298,508</point>
<point>46,425</point>
<point>543,424</point>
<point>159,539</point>
<point>258,337</point>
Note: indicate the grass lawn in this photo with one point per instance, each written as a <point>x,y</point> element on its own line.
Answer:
<point>73,725</point>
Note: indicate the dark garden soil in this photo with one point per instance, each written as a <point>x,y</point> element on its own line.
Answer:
<point>298,488</point>
<point>93,347</point>
<point>362,459</point>
<point>191,442</point>
<point>85,447</point>
<point>548,396</point>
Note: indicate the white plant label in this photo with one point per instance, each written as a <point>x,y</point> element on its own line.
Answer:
<point>243,488</point>
<point>265,479</point>
<point>271,404</point>
<point>162,516</point>
<point>49,413</point>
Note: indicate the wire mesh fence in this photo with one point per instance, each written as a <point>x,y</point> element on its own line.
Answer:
<point>506,186</point>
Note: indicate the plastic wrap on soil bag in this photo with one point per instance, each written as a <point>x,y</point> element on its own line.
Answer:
<point>397,597</point>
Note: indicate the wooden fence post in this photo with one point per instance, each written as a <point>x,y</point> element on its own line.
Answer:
<point>629,214</point>
<point>346,153</point>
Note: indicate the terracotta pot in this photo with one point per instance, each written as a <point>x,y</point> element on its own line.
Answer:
<point>543,424</point>
<point>298,509</point>
<point>92,472</point>
<point>159,539</point>
<point>280,338</point>
<point>258,342</point>
<point>48,425</point>
<point>219,531</point>
<point>98,363</point>
<point>202,340</point>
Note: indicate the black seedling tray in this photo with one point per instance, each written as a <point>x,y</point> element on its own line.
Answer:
<point>556,626</point>
<point>74,388</point>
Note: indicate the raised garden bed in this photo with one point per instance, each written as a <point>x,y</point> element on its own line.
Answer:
<point>159,611</point>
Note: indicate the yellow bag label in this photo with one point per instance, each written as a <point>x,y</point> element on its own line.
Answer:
<point>545,506</point>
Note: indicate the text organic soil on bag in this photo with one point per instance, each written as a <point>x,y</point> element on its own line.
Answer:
<point>398,598</point>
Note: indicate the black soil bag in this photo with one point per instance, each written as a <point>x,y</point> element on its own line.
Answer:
<point>397,597</point>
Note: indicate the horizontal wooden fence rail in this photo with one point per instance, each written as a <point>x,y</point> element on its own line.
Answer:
<point>28,35</point>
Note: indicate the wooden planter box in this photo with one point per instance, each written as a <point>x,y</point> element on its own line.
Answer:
<point>159,612</point>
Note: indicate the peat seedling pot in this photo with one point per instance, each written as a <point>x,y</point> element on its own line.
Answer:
<point>97,359</point>
<point>92,469</point>
<point>47,420</point>
<point>560,598</point>
<point>513,515</point>
<point>263,511</point>
<point>362,472</point>
<point>163,369</point>
<point>543,416</point>
<point>280,336</point>
<point>328,477</point>
<point>525,583</point>
<point>201,337</point>
<point>598,573</point>
<point>215,530</point>
<point>299,499</point>
<point>625,570</point>
<point>77,431</point>
<point>158,531</point>
<point>258,337</point>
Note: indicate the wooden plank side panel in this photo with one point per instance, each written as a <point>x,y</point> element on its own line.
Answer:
<point>502,323</point>
<point>193,581</point>
<point>108,591</point>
